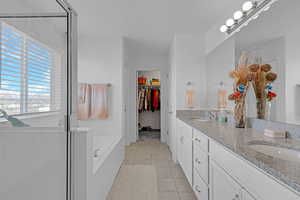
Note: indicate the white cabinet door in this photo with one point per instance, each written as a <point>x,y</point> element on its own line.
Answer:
<point>188,152</point>
<point>185,148</point>
<point>222,186</point>
<point>200,188</point>
<point>179,145</point>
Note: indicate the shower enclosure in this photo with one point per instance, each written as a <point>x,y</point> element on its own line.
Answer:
<point>38,93</point>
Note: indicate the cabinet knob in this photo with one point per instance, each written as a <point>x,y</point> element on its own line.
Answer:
<point>197,188</point>
<point>198,161</point>
<point>97,153</point>
<point>197,140</point>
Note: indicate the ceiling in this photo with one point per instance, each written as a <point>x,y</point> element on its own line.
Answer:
<point>152,23</point>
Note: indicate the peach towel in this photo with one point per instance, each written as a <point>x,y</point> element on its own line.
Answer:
<point>99,101</point>
<point>84,99</point>
<point>190,98</point>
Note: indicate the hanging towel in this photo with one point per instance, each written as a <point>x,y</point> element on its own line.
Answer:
<point>84,92</point>
<point>190,94</point>
<point>99,101</point>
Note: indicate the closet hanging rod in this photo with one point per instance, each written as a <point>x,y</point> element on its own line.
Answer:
<point>154,86</point>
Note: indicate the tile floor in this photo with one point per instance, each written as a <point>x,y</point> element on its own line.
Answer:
<point>149,136</point>
<point>149,164</point>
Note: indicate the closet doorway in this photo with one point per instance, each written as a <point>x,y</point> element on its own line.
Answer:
<point>148,105</point>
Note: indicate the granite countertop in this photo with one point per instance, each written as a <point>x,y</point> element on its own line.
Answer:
<point>239,141</point>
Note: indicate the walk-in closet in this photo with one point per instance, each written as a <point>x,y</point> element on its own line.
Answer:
<point>148,104</point>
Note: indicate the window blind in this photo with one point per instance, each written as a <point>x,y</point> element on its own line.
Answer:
<point>26,73</point>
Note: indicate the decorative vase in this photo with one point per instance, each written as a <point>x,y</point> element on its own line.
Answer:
<point>240,113</point>
<point>261,108</point>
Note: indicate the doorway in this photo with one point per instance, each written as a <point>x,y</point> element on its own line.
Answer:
<point>148,105</point>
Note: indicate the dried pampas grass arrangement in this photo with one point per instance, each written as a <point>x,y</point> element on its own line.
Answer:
<point>262,79</point>
<point>241,77</point>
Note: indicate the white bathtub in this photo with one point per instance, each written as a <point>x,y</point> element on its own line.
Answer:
<point>98,158</point>
<point>103,145</point>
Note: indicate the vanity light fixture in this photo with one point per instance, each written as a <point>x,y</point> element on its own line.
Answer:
<point>223,28</point>
<point>238,15</point>
<point>229,22</point>
<point>248,5</point>
<point>250,11</point>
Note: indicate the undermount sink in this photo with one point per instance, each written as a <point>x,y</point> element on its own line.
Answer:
<point>278,152</point>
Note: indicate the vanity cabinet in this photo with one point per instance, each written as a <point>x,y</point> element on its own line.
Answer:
<point>184,148</point>
<point>259,184</point>
<point>200,187</point>
<point>222,186</point>
<point>200,165</point>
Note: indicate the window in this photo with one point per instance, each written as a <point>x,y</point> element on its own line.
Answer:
<point>26,73</point>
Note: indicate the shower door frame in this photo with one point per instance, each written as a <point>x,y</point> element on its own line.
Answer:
<point>70,118</point>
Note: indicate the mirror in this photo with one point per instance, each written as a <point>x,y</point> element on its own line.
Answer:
<point>273,38</point>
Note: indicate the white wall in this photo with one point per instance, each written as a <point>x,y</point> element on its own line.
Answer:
<point>101,61</point>
<point>213,37</point>
<point>137,59</point>
<point>219,63</point>
<point>187,60</point>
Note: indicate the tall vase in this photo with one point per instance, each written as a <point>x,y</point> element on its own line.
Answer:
<point>240,113</point>
<point>261,108</point>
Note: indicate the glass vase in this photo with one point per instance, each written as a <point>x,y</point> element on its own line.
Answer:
<point>261,108</point>
<point>240,113</point>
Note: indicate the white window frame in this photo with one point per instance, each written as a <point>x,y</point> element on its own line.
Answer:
<point>24,85</point>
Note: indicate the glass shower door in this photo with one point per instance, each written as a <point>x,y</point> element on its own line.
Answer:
<point>37,77</point>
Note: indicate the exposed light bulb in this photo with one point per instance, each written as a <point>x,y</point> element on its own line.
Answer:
<point>223,28</point>
<point>229,22</point>
<point>248,5</point>
<point>238,15</point>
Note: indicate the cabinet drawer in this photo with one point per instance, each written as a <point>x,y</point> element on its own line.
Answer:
<point>200,188</point>
<point>260,185</point>
<point>200,140</point>
<point>201,164</point>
